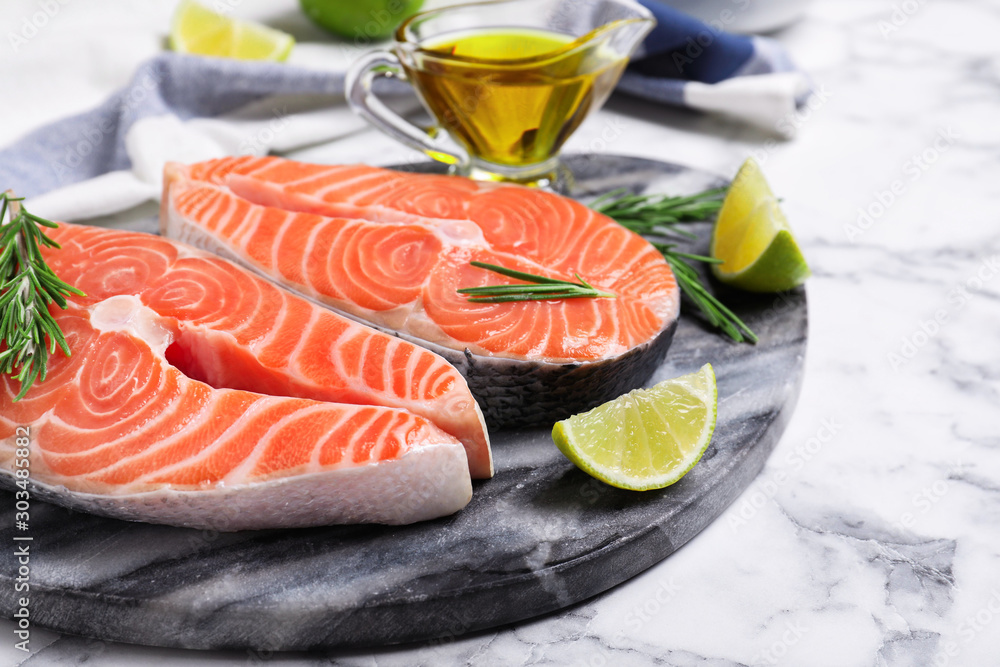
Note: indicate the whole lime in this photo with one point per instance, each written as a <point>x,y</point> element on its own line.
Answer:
<point>360,20</point>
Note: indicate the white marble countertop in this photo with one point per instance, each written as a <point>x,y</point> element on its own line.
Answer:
<point>873,535</point>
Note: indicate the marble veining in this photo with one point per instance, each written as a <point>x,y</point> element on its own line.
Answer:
<point>872,535</point>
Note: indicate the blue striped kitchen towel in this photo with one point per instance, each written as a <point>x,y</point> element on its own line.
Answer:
<point>110,158</point>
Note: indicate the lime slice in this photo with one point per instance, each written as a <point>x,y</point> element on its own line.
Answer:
<point>753,238</point>
<point>198,30</point>
<point>646,439</point>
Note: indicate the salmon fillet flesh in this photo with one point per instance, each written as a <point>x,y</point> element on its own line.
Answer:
<point>200,395</point>
<point>391,249</point>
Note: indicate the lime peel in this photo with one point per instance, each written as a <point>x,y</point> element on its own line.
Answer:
<point>753,239</point>
<point>647,438</point>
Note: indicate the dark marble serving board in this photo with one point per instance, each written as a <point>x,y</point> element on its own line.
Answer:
<point>539,536</point>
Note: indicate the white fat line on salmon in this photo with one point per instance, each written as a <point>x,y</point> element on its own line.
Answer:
<point>217,206</point>
<point>396,431</point>
<point>243,470</point>
<point>249,322</point>
<point>283,312</point>
<point>307,252</point>
<point>546,322</point>
<point>314,462</point>
<point>174,227</point>
<point>246,229</point>
<point>449,231</point>
<point>276,242</point>
<point>296,356</point>
<point>207,204</point>
<point>126,313</point>
<point>347,185</point>
<point>405,320</point>
<point>165,416</point>
<point>221,209</point>
<point>580,341</point>
<point>220,442</point>
<point>120,463</point>
<point>195,235</point>
<point>616,330</point>
<point>323,174</point>
<point>427,383</point>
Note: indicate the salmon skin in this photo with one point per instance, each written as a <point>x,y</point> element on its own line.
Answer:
<point>391,249</point>
<point>200,395</point>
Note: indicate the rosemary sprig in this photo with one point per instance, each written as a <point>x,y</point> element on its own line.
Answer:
<point>27,287</point>
<point>659,216</point>
<point>690,283</point>
<point>539,288</point>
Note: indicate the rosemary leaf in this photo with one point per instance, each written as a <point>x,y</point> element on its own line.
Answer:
<point>539,288</point>
<point>661,215</point>
<point>28,285</point>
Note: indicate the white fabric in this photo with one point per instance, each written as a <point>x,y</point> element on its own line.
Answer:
<point>275,124</point>
<point>766,100</point>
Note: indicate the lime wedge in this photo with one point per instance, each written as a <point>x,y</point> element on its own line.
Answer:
<point>753,238</point>
<point>198,30</point>
<point>365,19</point>
<point>646,439</point>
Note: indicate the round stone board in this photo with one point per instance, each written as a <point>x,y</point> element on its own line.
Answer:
<point>539,536</point>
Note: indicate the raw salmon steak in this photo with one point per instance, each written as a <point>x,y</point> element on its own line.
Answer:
<point>391,249</point>
<point>198,394</point>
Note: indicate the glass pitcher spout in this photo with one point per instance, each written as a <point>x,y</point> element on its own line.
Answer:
<point>625,35</point>
<point>622,24</point>
<point>508,81</point>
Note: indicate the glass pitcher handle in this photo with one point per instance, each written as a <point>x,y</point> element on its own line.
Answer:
<point>360,78</point>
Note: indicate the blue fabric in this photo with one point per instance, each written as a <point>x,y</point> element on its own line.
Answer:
<point>679,49</point>
<point>93,143</point>
<point>682,49</point>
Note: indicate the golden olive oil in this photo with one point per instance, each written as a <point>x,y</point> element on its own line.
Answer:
<point>512,96</point>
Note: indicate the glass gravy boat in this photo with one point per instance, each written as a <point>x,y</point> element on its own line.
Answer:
<point>507,81</point>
